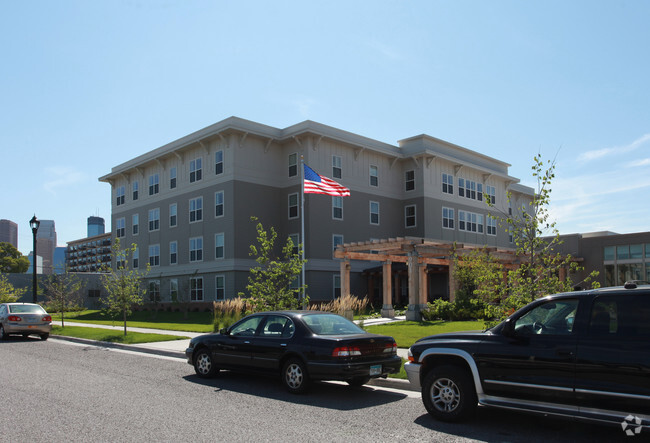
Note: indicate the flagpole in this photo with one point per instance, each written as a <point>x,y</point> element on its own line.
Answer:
<point>302,223</point>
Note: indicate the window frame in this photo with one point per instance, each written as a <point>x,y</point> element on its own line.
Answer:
<point>219,203</point>
<point>337,166</point>
<point>293,207</point>
<point>335,207</point>
<point>154,259</point>
<point>154,223</point>
<point>408,216</point>
<point>173,253</point>
<point>373,172</point>
<point>219,162</point>
<point>376,213</point>
<point>196,169</point>
<point>196,249</point>
<point>195,208</point>
<point>154,184</point>
<point>293,164</point>
<point>219,242</point>
<point>409,180</point>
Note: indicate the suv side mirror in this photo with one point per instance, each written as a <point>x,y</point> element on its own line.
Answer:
<point>508,328</point>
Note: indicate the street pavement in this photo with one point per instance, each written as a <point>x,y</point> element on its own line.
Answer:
<point>176,348</point>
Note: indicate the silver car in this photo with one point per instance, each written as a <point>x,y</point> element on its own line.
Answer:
<point>24,319</point>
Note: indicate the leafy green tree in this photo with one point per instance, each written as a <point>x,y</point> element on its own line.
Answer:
<point>124,285</point>
<point>9,294</point>
<point>62,292</point>
<point>11,260</point>
<point>541,268</point>
<point>270,285</point>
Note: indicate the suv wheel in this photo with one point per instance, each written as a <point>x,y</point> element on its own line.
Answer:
<point>448,393</point>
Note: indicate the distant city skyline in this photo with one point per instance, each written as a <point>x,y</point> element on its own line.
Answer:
<point>94,84</point>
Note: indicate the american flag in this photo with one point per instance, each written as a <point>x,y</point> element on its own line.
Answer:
<point>317,184</point>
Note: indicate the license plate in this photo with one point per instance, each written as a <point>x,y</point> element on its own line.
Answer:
<point>375,370</point>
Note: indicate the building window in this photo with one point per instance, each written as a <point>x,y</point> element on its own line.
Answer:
<point>154,255</point>
<point>409,180</point>
<point>293,206</point>
<point>470,222</point>
<point>479,223</point>
<point>608,253</point>
<point>196,209</point>
<point>479,192</point>
<point>336,167</point>
<point>173,253</point>
<point>196,288</point>
<point>120,195</point>
<point>135,188</point>
<point>172,177</point>
<point>154,290</point>
<point>336,240</point>
<point>218,204</point>
<point>295,240</point>
<point>154,219</point>
<point>173,289</point>
<point>293,165</point>
<point>218,163</point>
<point>195,170</point>
<point>409,216</point>
<point>336,285</point>
<point>448,218</point>
<point>173,215</point>
<point>374,176</point>
<point>120,230</point>
<point>491,192</point>
<point>196,249</point>
<point>337,208</point>
<point>447,184</point>
<point>461,187</point>
<point>636,251</point>
<point>135,222</point>
<point>219,246</point>
<point>136,258</point>
<point>461,220</point>
<point>220,287</point>
<point>491,225</point>
<point>374,213</point>
<point>154,184</point>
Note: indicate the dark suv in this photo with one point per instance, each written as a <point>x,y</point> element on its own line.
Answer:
<point>580,354</point>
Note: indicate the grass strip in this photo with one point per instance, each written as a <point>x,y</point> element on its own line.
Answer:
<point>406,333</point>
<point>113,336</point>
<point>169,321</point>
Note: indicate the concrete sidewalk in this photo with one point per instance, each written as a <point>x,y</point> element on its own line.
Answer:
<point>176,348</point>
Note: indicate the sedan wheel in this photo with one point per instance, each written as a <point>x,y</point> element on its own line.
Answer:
<point>203,364</point>
<point>294,376</point>
<point>3,334</point>
<point>448,393</point>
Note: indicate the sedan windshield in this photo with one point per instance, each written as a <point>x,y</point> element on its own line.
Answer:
<point>330,324</point>
<point>26,309</point>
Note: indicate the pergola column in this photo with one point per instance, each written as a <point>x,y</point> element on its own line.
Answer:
<point>413,311</point>
<point>345,277</point>
<point>387,309</point>
<point>453,285</point>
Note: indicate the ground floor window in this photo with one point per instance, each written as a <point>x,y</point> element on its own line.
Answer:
<point>196,289</point>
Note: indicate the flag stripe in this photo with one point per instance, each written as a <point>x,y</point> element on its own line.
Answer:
<point>318,184</point>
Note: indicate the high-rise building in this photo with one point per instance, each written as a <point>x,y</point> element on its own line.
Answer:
<point>192,221</point>
<point>95,226</point>
<point>9,232</point>
<point>46,244</point>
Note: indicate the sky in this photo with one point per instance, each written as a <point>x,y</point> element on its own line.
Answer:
<point>87,85</point>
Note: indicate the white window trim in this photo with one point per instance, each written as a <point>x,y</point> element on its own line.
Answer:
<point>190,249</point>
<point>415,216</point>
<point>170,253</point>
<point>371,213</point>
<point>223,204</point>
<point>297,206</point>
<point>189,211</point>
<point>334,207</point>
<point>215,245</point>
<point>216,287</point>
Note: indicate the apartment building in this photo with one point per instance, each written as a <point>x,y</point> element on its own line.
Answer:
<point>89,254</point>
<point>187,205</point>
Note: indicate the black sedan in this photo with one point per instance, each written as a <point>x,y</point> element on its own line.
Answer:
<point>299,345</point>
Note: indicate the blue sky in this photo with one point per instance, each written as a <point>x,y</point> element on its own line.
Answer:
<point>87,85</point>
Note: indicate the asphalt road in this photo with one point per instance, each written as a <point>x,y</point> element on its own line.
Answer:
<point>60,391</point>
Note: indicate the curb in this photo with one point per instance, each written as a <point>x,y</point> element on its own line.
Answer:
<point>106,344</point>
<point>394,383</point>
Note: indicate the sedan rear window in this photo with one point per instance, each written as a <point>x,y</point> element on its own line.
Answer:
<point>330,324</point>
<point>26,309</point>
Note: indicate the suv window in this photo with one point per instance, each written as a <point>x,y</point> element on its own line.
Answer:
<point>551,318</point>
<point>621,316</point>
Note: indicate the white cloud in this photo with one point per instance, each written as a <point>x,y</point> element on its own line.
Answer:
<point>61,177</point>
<point>599,153</point>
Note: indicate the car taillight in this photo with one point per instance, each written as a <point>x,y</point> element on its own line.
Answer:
<point>390,348</point>
<point>346,351</point>
<point>14,318</point>
<point>47,318</point>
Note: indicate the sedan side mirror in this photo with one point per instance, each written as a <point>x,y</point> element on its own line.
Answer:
<point>223,331</point>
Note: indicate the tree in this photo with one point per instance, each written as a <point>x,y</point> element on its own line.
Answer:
<point>9,294</point>
<point>11,260</point>
<point>62,293</point>
<point>271,284</point>
<point>541,270</point>
<point>123,284</point>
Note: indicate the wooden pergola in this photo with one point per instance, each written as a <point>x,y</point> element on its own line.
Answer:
<point>417,254</point>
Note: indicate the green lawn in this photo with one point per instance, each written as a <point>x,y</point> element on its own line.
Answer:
<point>170,321</point>
<point>111,335</point>
<point>406,333</point>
